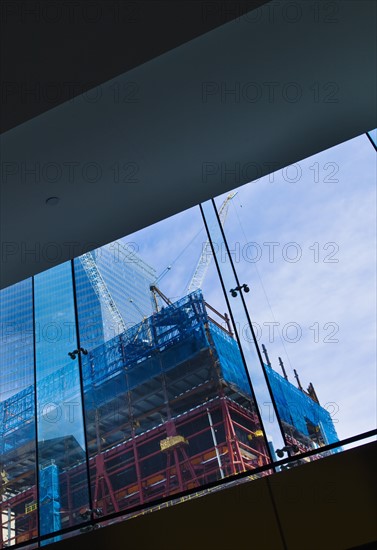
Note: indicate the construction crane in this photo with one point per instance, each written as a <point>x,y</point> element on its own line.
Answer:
<point>100,288</point>
<point>156,291</point>
<point>205,257</point>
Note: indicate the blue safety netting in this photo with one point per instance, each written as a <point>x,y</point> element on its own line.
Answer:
<point>297,409</point>
<point>177,332</point>
<point>231,363</point>
<point>49,499</point>
<point>158,344</point>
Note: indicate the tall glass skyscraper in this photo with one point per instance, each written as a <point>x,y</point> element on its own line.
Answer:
<point>128,279</point>
<point>91,313</point>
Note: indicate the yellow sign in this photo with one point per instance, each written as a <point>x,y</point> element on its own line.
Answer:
<point>172,441</point>
<point>30,507</point>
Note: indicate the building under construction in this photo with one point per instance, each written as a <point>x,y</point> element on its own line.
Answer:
<point>305,423</point>
<point>167,407</point>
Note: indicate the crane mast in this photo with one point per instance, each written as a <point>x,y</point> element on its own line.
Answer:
<point>206,257</point>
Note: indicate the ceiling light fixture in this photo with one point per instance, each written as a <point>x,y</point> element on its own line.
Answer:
<point>52,201</point>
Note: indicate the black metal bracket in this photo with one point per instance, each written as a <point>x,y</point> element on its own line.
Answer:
<point>243,287</point>
<point>74,353</point>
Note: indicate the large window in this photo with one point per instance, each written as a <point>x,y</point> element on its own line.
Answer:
<point>199,350</point>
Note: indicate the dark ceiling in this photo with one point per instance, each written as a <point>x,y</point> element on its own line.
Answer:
<point>171,131</point>
<point>53,50</point>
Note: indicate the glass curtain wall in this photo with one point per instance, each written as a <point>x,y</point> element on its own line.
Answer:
<point>205,346</point>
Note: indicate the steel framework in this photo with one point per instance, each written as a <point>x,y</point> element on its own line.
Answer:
<point>168,409</point>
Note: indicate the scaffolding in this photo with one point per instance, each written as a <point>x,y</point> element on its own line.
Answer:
<point>306,423</point>
<point>168,408</point>
<point>49,498</point>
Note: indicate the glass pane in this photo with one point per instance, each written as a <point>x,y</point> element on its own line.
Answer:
<point>303,239</point>
<point>61,441</point>
<point>168,403</point>
<point>18,497</point>
<point>268,415</point>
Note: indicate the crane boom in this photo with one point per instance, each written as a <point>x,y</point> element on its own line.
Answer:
<point>100,288</point>
<point>206,255</point>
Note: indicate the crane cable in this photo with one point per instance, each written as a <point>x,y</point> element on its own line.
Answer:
<point>169,267</point>
<point>262,285</point>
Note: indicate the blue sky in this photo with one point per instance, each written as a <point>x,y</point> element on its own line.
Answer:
<point>326,205</point>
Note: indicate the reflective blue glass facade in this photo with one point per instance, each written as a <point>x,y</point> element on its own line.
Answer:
<point>61,439</point>
<point>128,279</point>
<point>16,326</point>
<point>17,415</point>
<point>91,317</point>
